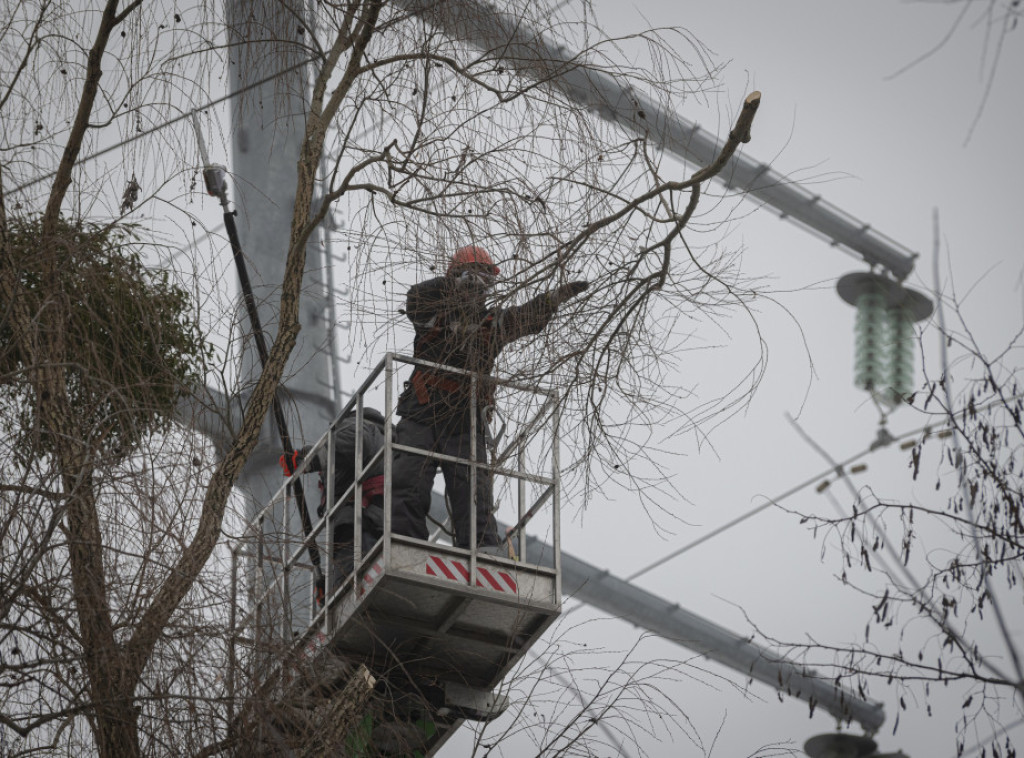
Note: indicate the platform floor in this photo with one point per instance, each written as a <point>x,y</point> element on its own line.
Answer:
<point>417,622</point>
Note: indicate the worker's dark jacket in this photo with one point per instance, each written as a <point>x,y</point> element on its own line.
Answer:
<point>344,467</point>
<point>457,330</point>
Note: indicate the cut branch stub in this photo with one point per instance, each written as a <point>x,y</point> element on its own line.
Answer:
<point>741,131</point>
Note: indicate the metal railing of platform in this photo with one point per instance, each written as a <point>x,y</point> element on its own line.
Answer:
<point>276,607</point>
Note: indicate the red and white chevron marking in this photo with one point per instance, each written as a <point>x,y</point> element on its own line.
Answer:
<point>372,574</point>
<point>457,571</point>
<point>314,645</point>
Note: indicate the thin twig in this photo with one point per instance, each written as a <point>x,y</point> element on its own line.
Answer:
<point>965,494</point>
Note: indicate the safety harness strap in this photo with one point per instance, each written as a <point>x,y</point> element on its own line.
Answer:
<point>372,487</point>
<point>423,379</point>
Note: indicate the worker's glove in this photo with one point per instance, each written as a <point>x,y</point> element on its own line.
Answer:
<point>290,462</point>
<point>567,292</point>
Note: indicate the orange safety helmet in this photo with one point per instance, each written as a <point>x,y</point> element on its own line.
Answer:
<point>468,255</point>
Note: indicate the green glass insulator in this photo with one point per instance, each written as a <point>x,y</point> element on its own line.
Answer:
<point>900,375</point>
<point>871,338</point>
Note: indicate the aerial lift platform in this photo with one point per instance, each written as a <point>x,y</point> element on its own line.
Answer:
<point>420,635</point>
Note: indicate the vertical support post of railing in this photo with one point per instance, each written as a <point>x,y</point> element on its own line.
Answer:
<point>556,467</point>
<point>474,421</point>
<point>286,588</point>
<point>357,495</point>
<point>520,465</point>
<point>260,558</point>
<point>389,409</point>
<point>232,638</point>
<point>329,496</point>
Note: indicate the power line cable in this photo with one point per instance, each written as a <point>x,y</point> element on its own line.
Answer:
<point>838,468</point>
<point>169,122</point>
<point>914,588</point>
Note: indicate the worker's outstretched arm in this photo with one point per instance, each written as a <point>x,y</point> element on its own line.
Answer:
<point>532,316</point>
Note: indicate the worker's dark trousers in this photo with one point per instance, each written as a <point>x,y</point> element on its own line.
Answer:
<point>344,549</point>
<point>413,479</point>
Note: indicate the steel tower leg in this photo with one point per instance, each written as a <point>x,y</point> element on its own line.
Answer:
<point>267,125</point>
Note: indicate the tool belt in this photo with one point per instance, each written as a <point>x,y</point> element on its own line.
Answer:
<point>372,487</point>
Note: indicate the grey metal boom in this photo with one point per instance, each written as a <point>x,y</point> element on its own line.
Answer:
<point>621,599</point>
<point>508,38</point>
<point>643,609</point>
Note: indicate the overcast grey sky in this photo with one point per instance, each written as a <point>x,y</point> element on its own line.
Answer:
<point>888,149</point>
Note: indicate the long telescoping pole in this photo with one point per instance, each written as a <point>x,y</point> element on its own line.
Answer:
<point>216,185</point>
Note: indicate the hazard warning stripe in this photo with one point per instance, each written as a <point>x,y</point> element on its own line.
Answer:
<point>490,578</point>
<point>317,642</point>
<point>457,571</point>
<point>441,568</point>
<point>372,574</point>
<point>502,581</point>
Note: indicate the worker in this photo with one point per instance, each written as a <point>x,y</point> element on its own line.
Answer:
<point>343,522</point>
<point>455,327</point>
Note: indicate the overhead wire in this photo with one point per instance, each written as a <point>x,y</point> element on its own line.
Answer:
<point>169,122</point>
<point>839,468</point>
<point>913,587</point>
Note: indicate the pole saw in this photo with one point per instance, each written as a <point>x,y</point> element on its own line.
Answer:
<point>215,178</point>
